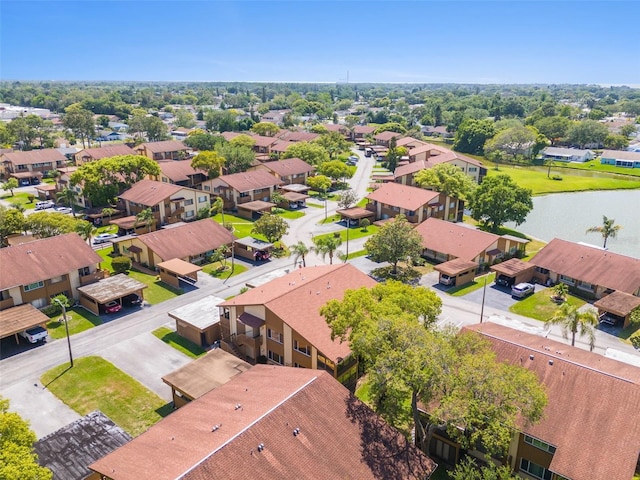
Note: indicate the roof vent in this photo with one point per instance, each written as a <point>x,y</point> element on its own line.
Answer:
<point>296,432</point>
<point>550,362</point>
<point>238,406</point>
<point>531,357</point>
<point>215,427</point>
<point>261,447</point>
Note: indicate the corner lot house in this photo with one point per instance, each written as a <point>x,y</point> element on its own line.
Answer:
<point>239,189</point>
<point>620,158</point>
<point>165,150</point>
<point>169,203</point>
<point>191,242</point>
<point>32,165</point>
<point>281,322</point>
<point>270,423</point>
<point>567,154</point>
<point>93,154</point>
<point>36,271</point>
<point>593,403</point>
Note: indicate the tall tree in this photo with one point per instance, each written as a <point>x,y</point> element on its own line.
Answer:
<point>185,119</point>
<point>327,245</point>
<point>573,321</point>
<point>237,158</point>
<point>266,129</point>
<point>333,142</point>
<point>146,217</point>
<point>155,129</point>
<point>11,221</point>
<point>243,140</point>
<point>204,141</point>
<point>498,200</point>
<point>271,226</point>
<point>80,122</point>
<point>86,230</point>
<point>312,153</point>
<point>516,142</point>
<point>472,134</point>
<point>299,251</point>
<point>68,196</point>
<point>554,128</point>
<point>46,224</point>
<point>347,198</point>
<point>448,179</point>
<point>587,132</point>
<point>210,162</point>
<point>11,184</point>
<point>336,169</point>
<point>396,241</point>
<point>608,229</point>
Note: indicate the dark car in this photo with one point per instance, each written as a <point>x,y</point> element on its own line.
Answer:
<point>504,281</point>
<point>132,300</point>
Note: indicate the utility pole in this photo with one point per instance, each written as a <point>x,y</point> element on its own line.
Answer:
<point>347,255</point>
<point>66,327</point>
<point>484,291</point>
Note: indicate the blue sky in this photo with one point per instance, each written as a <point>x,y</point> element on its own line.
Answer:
<point>303,41</point>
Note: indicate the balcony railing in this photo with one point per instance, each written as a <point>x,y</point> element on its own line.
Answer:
<point>93,277</point>
<point>8,303</point>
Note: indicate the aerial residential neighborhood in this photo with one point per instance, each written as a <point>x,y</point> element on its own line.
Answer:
<point>384,260</point>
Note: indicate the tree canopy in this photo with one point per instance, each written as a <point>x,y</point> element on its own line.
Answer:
<point>333,142</point>
<point>11,221</point>
<point>319,183</point>
<point>266,129</point>
<point>448,179</point>
<point>273,227</point>
<point>587,132</point>
<point>396,241</point>
<point>210,162</point>
<point>608,229</point>
<point>312,153</point>
<point>51,224</point>
<point>237,157</point>
<point>336,170</point>
<point>499,199</point>
<point>472,134</point>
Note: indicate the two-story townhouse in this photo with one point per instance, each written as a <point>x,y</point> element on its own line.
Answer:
<point>417,204</point>
<point>34,272</point>
<point>592,403</point>
<point>280,321</point>
<point>384,138</point>
<point>181,173</point>
<point>29,167</point>
<point>169,203</point>
<point>294,137</point>
<point>289,170</point>
<point>431,155</point>
<point>270,423</point>
<point>93,154</point>
<point>410,142</point>
<point>164,150</point>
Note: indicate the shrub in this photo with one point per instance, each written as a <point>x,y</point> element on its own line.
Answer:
<point>121,264</point>
<point>31,197</point>
<point>556,177</point>
<point>364,224</point>
<point>244,289</point>
<point>635,341</point>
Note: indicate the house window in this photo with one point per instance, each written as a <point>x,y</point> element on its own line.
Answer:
<point>84,271</point>
<point>534,469</point>
<point>275,357</point>
<point>585,285</point>
<point>411,213</point>
<point>189,213</point>
<point>202,199</point>
<point>440,208</point>
<point>539,444</point>
<point>33,286</point>
<point>544,271</point>
<point>452,205</point>
<point>207,188</point>
<point>568,280</point>
<point>302,348</point>
<point>258,190</point>
<point>244,194</point>
<point>273,335</point>
<point>473,169</point>
<point>189,201</point>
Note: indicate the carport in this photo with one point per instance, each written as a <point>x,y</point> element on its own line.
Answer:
<point>617,306</point>
<point>129,225</point>
<point>199,322</point>
<point>355,214</point>
<point>109,289</point>
<point>253,210</point>
<point>18,319</point>
<point>174,270</point>
<point>203,375</point>
<point>463,271</point>
<point>26,176</point>
<point>252,248</point>
<point>295,200</point>
<point>515,270</point>
<point>45,190</point>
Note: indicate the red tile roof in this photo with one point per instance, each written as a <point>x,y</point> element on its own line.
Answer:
<point>34,156</point>
<point>593,403</point>
<point>364,129</point>
<point>387,136</point>
<point>218,435</point>
<point>590,264</point>
<point>410,168</point>
<point>44,259</point>
<point>228,136</point>
<point>150,192</point>
<point>262,141</point>
<point>164,146</point>
<point>281,146</point>
<point>289,166</point>
<point>179,171</point>
<point>406,141</point>
<point>186,240</point>
<point>298,136</point>
<point>248,181</point>
<point>403,196</point>
<point>297,298</point>
<point>454,239</point>
<point>105,152</point>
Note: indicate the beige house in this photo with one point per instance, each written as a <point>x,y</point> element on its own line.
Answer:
<point>280,321</point>
<point>290,170</point>
<point>169,203</point>
<point>93,154</point>
<point>429,155</point>
<point>240,188</point>
<point>31,165</point>
<point>165,150</point>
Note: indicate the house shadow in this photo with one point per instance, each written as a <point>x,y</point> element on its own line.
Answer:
<point>166,409</point>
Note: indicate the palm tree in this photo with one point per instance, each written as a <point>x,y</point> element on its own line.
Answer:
<point>608,229</point>
<point>574,321</point>
<point>68,196</point>
<point>299,250</point>
<point>327,246</point>
<point>146,217</point>
<point>218,206</point>
<point>86,230</point>
<point>108,212</point>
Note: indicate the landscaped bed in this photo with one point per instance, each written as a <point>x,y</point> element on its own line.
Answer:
<point>78,320</point>
<point>215,270</point>
<point>96,384</point>
<point>353,233</point>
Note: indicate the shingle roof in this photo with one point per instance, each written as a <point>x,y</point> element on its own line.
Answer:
<point>364,129</point>
<point>178,171</point>
<point>337,435</point>
<point>410,168</point>
<point>296,298</point>
<point>590,264</point>
<point>150,192</point>
<point>387,136</point>
<point>453,239</point>
<point>105,152</point>
<point>621,155</point>
<point>44,259</point>
<point>248,181</point>
<point>618,303</point>
<point>189,239</point>
<point>34,156</point>
<point>69,451</point>
<point>409,141</point>
<point>262,141</point>
<point>593,403</point>
<point>298,136</point>
<point>289,166</point>
<point>164,146</point>
<point>403,196</point>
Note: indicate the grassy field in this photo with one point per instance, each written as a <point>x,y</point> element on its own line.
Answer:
<point>93,383</point>
<point>473,286</point>
<point>290,214</point>
<point>78,320</point>
<point>540,184</point>
<point>596,166</point>
<point>213,269</point>
<point>540,306</point>
<point>181,344</point>
<point>241,226</point>
<point>20,198</point>
<point>353,233</point>
<point>359,253</point>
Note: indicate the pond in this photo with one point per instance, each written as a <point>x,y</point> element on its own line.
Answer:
<point>569,215</point>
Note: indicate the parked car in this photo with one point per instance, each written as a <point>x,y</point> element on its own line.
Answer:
<point>43,205</point>
<point>447,280</point>
<point>522,290</point>
<point>24,182</point>
<point>132,300</point>
<point>62,209</point>
<point>354,158</point>
<point>35,335</point>
<point>104,237</point>
<point>504,281</point>
<point>112,307</point>
<point>351,163</point>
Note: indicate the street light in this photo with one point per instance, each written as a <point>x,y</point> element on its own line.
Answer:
<point>66,327</point>
<point>346,257</point>
<point>484,291</point>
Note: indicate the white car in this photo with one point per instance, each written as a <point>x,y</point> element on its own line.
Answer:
<point>62,210</point>
<point>35,335</point>
<point>104,237</point>
<point>44,205</point>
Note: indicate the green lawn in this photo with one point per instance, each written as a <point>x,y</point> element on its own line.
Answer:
<point>330,219</point>
<point>79,320</point>
<point>362,203</point>
<point>241,226</point>
<point>538,182</point>
<point>213,269</point>
<point>314,205</point>
<point>20,199</point>
<point>473,286</point>
<point>359,253</point>
<point>540,306</point>
<point>595,165</point>
<point>290,214</point>
<point>181,344</point>
<point>93,383</point>
<point>354,233</point>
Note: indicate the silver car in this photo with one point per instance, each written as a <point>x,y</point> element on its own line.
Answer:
<point>522,290</point>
